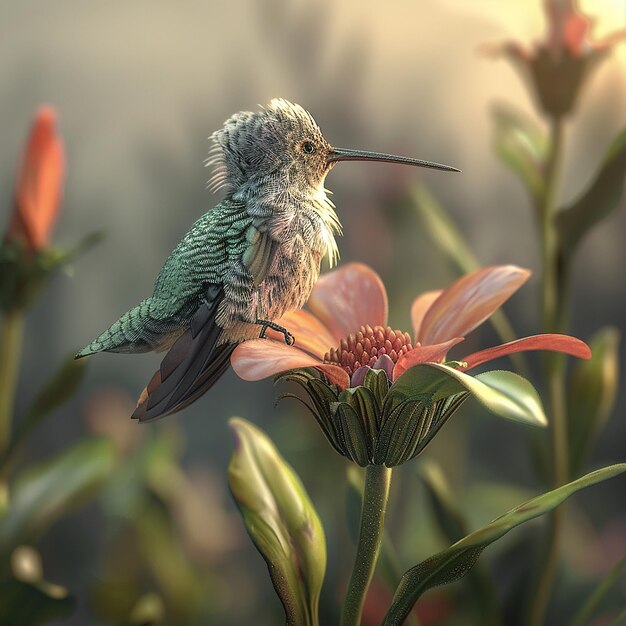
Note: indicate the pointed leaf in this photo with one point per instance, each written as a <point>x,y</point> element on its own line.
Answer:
<point>592,393</point>
<point>456,561</point>
<point>280,520</point>
<point>45,492</point>
<point>451,521</point>
<point>522,145</point>
<point>58,390</point>
<point>505,394</point>
<point>445,509</point>
<point>59,258</point>
<point>600,199</point>
<point>26,604</point>
<point>148,611</point>
<point>443,231</point>
<point>586,612</point>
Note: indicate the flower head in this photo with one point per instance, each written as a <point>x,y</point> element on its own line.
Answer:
<point>559,65</point>
<point>39,184</point>
<point>345,337</point>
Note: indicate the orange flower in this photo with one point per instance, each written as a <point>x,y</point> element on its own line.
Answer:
<point>559,65</point>
<point>39,183</point>
<point>346,332</point>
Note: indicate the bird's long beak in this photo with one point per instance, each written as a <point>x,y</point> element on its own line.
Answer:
<point>344,154</point>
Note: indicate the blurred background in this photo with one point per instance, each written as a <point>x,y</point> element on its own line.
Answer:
<point>139,87</point>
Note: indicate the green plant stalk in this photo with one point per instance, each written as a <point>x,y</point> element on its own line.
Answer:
<point>553,315</point>
<point>10,352</point>
<point>375,496</point>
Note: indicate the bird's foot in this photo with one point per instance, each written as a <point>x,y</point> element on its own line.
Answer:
<point>265,324</point>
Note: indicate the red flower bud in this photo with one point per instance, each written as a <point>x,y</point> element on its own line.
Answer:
<point>39,184</point>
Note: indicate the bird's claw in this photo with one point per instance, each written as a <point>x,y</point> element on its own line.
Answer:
<point>290,340</point>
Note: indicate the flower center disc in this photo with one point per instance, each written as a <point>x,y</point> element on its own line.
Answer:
<point>368,344</point>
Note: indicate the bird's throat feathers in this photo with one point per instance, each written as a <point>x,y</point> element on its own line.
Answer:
<point>285,209</point>
<point>291,216</point>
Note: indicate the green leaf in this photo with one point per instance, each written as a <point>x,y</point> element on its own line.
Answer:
<point>451,521</point>
<point>52,259</point>
<point>161,551</point>
<point>45,492</point>
<point>522,145</point>
<point>448,516</point>
<point>443,230</point>
<point>280,520</point>
<point>503,393</point>
<point>591,394</point>
<point>587,611</point>
<point>26,604</point>
<point>58,390</point>
<point>149,610</point>
<point>23,275</point>
<point>456,561</point>
<point>602,198</point>
<point>619,620</point>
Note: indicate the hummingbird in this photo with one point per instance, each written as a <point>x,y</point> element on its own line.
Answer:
<point>247,261</point>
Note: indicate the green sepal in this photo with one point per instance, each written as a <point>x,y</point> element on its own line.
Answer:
<point>503,393</point>
<point>602,197</point>
<point>409,426</point>
<point>377,382</point>
<point>321,396</point>
<point>354,439</point>
<point>456,561</point>
<point>31,604</point>
<point>280,520</point>
<point>591,394</point>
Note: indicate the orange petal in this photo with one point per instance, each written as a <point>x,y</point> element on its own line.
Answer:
<point>348,298</point>
<point>40,182</point>
<point>433,353</point>
<point>420,306</point>
<point>553,343</point>
<point>469,301</point>
<point>260,358</point>
<point>311,335</point>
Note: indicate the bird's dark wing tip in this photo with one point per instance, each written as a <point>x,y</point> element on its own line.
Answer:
<point>186,369</point>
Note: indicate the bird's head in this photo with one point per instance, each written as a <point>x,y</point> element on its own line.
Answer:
<point>281,144</point>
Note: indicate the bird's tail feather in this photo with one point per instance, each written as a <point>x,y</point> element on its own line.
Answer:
<point>134,332</point>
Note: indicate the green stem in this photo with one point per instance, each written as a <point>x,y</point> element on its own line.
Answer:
<point>375,495</point>
<point>553,308</point>
<point>10,351</point>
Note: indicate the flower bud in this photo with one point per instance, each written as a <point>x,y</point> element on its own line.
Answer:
<point>39,184</point>
<point>280,520</point>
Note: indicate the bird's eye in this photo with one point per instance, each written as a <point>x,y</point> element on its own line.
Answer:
<point>308,147</point>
